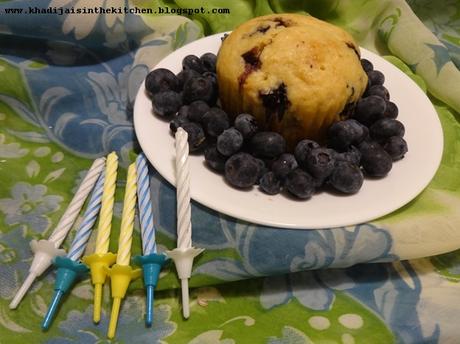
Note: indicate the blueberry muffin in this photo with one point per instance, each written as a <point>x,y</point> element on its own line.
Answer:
<point>296,74</point>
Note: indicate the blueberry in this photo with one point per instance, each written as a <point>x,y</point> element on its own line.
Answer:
<point>262,168</point>
<point>161,80</point>
<point>302,149</point>
<point>183,110</point>
<point>368,145</point>
<point>186,75</point>
<point>368,86</point>
<point>214,159</point>
<point>270,184</point>
<point>365,133</point>
<point>353,156</point>
<point>378,90</point>
<point>346,178</point>
<point>376,162</point>
<point>283,165</point>
<point>213,78</point>
<point>342,134</point>
<point>246,125</point>
<point>208,61</point>
<point>267,144</point>
<point>319,182</point>
<point>215,121</point>
<point>229,142</point>
<point>386,127</point>
<point>300,184</point>
<point>241,170</point>
<point>194,63</point>
<point>376,77</point>
<point>166,103</point>
<point>396,147</point>
<point>199,88</point>
<point>320,162</point>
<point>179,119</point>
<point>367,65</point>
<point>196,110</point>
<point>369,109</point>
<point>196,135</point>
<point>391,110</point>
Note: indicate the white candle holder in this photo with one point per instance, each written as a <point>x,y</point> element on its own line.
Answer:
<point>183,259</point>
<point>44,253</point>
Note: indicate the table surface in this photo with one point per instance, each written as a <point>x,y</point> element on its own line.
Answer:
<point>67,90</point>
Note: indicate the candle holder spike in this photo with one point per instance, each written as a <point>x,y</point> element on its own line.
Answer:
<point>98,264</point>
<point>44,253</point>
<point>120,278</point>
<point>151,267</point>
<point>183,259</point>
<point>68,271</point>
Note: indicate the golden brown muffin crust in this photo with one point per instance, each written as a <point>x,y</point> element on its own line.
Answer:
<point>296,74</point>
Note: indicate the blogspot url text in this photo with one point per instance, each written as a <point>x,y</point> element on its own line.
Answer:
<point>116,10</point>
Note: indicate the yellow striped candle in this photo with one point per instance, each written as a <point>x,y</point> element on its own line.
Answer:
<point>127,218</point>
<point>108,197</point>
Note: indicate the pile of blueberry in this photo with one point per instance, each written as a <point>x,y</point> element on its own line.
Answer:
<point>366,143</point>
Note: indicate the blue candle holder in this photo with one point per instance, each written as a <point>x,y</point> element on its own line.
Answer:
<point>67,273</point>
<point>151,266</point>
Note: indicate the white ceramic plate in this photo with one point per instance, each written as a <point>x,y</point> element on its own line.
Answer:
<point>376,198</point>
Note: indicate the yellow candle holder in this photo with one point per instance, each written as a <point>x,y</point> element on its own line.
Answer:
<point>98,264</point>
<point>120,278</point>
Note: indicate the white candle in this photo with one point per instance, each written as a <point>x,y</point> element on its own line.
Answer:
<point>184,224</point>
<point>72,211</point>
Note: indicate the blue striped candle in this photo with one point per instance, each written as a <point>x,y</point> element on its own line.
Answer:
<point>89,218</point>
<point>145,206</point>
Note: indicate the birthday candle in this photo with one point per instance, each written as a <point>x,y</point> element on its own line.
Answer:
<point>46,250</point>
<point>108,198</point>
<point>127,218</point>
<point>72,211</point>
<point>184,253</point>
<point>145,206</point>
<point>89,218</point>
<point>121,273</point>
<point>184,224</point>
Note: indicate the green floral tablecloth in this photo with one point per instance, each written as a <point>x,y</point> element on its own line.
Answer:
<point>67,88</point>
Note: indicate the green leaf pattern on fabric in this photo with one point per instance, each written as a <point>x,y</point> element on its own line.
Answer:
<point>388,24</point>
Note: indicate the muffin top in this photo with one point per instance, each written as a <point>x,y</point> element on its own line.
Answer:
<point>296,74</point>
